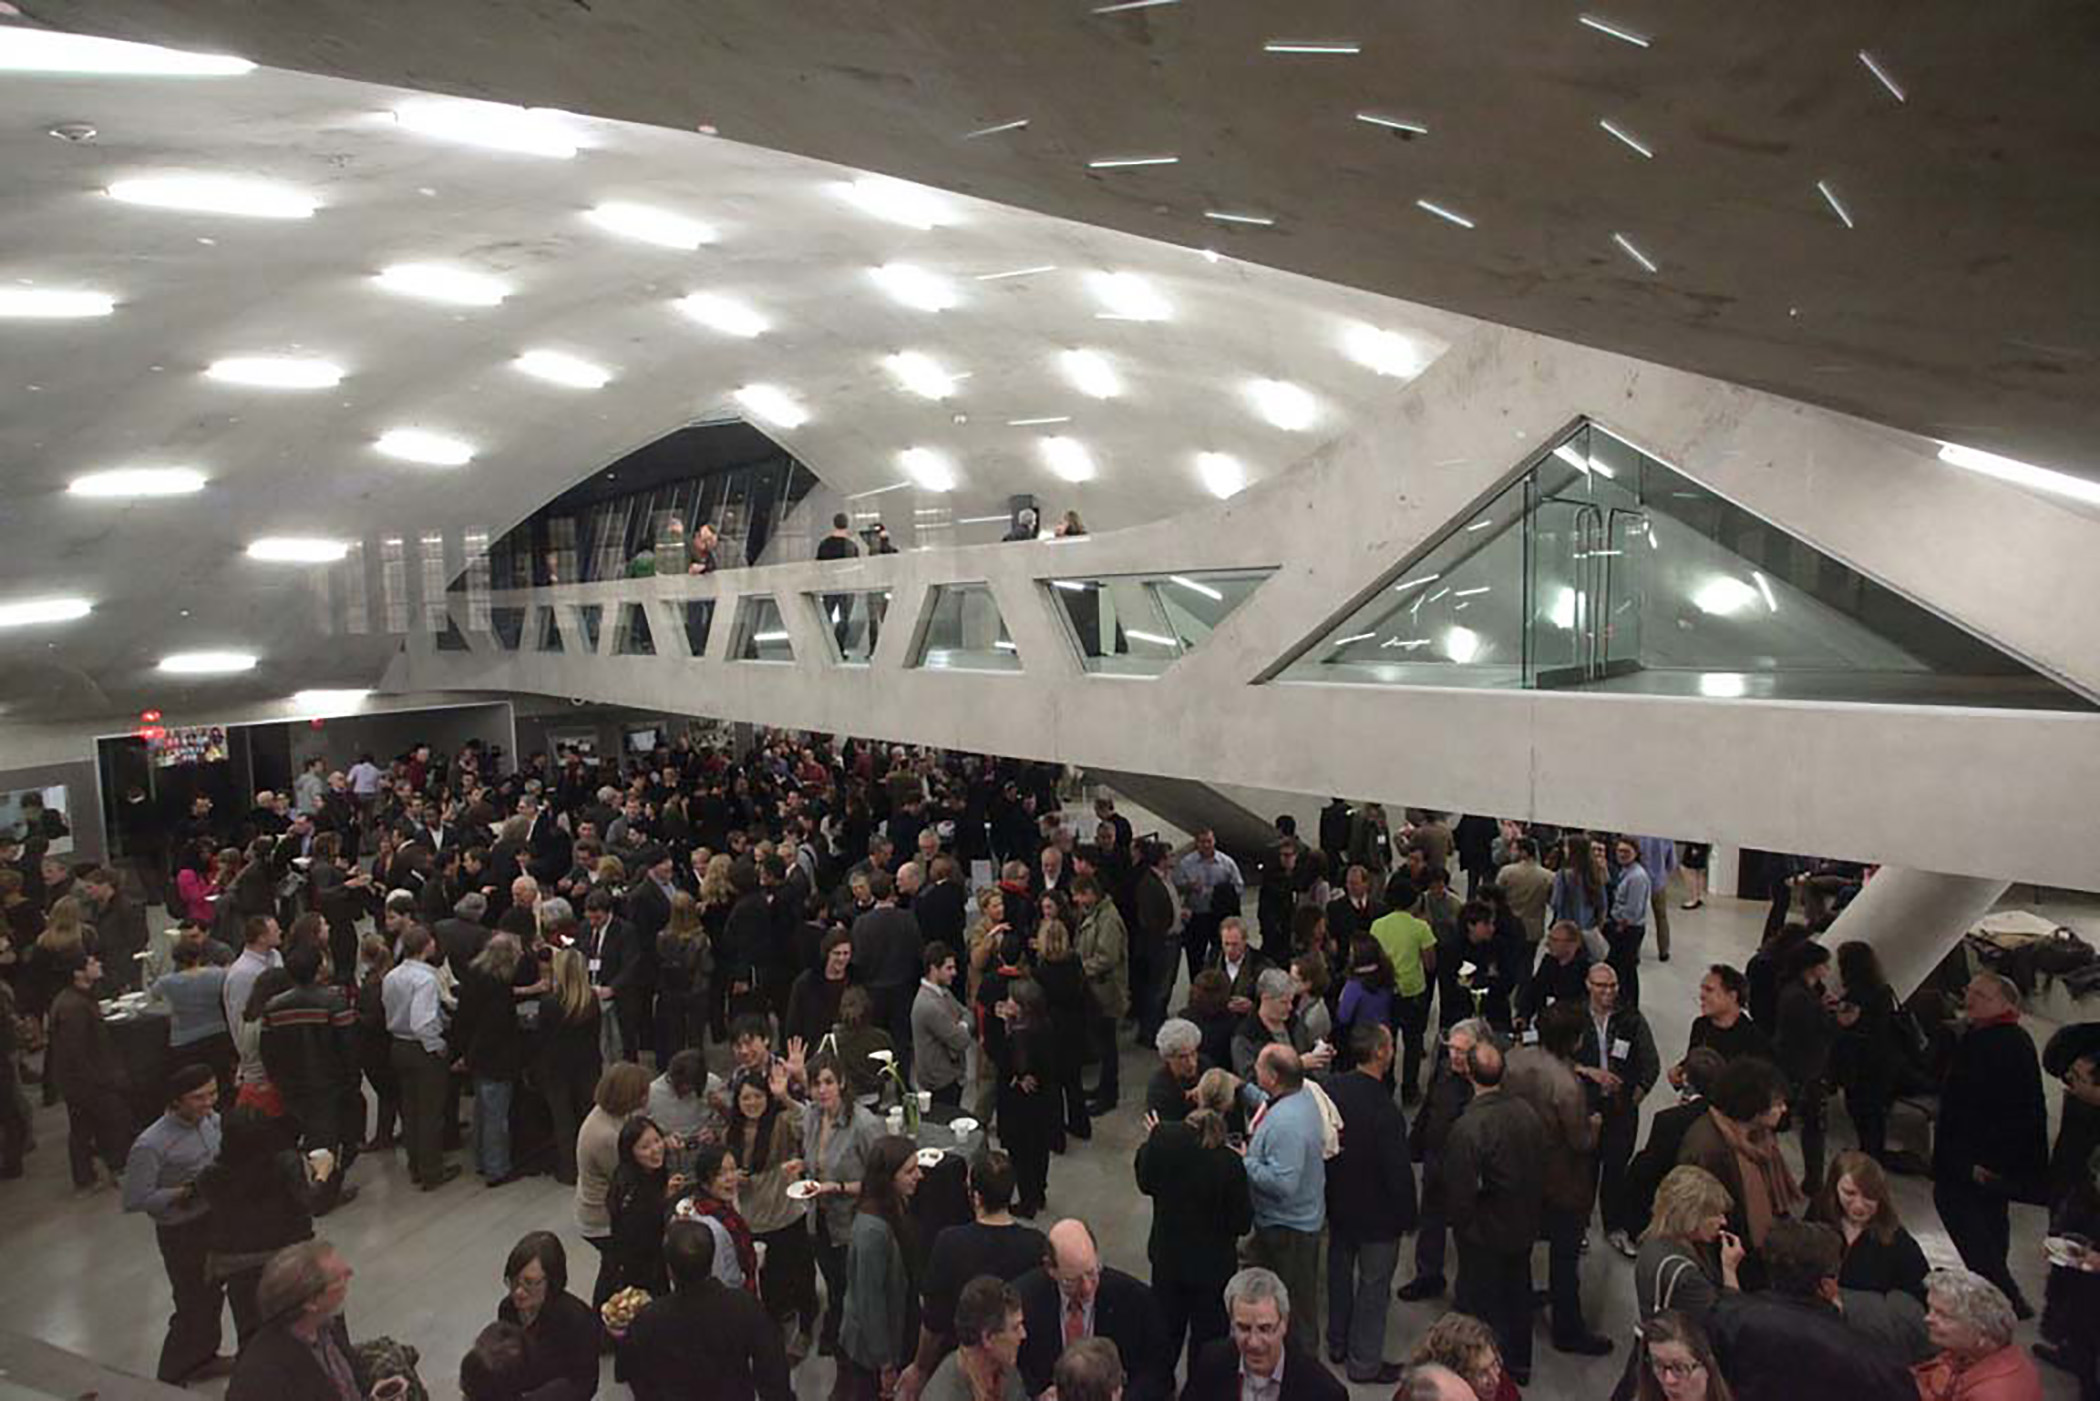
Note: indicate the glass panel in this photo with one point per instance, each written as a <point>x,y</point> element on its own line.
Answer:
<point>761,633</point>
<point>508,624</point>
<point>632,637</point>
<point>1140,624</point>
<point>963,631</point>
<point>698,615</point>
<point>853,622</point>
<point>549,632</point>
<point>450,638</point>
<point>589,618</point>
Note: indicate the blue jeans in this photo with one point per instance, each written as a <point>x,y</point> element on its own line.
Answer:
<point>1359,1284</point>
<point>492,1128</point>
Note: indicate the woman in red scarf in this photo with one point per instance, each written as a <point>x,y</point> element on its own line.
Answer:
<point>712,1201</point>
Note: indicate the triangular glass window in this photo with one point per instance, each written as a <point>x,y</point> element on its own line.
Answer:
<point>698,617</point>
<point>761,633</point>
<point>962,630</point>
<point>590,617</point>
<point>1140,624</point>
<point>450,638</point>
<point>632,637</point>
<point>508,625</point>
<point>548,631</point>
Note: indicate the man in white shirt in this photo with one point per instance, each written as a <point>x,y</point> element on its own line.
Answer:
<point>260,937</point>
<point>415,1019</point>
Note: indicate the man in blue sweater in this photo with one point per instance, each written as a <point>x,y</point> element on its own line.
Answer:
<point>1287,1179</point>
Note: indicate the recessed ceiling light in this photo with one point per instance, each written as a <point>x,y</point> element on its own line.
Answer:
<point>1461,645</point>
<point>1386,352</point>
<point>217,194</point>
<point>1836,206</point>
<point>657,226</point>
<point>724,314</point>
<point>1128,296</point>
<point>1723,684</point>
<point>931,470</point>
<point>1031,422</point>
<point>1125,162</point>
<point>1626,247</point>
<point>1015,272</point>
<point>1616,31</point>
<point>326,699</point>
<point>776,406</point>
<point>48,51</point>
<point>207,663</point>
<point>1283,404</point>
<point>138,481</point>
<point>1724,596</point>
<point>421,445</point>
<point>996,129</point>
<point>2011,469</point>
<point>1091,373</point>
<point>493,126</point>
<point>438,283</point>
<point>276,372</point>
<point>898,201</point>
<point>566,370</point>
<point>1121,5</point>
<point>1395,123</point>
<point>921,374</point>
<point>1068,458</point>
<point>1311,46</point>
<point>1442,212</point>
<point>53,304</point>
<point>1261,221</point>
<point>914,286</point>
<point>1627,138</point>
<point>1222,474</point>
<point>286,549</point>
<point>43,610</point>
<point>1882,74</point>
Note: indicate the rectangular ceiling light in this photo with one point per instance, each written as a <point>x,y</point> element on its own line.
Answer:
<point>996,129</point>
<point>773,404</point>
<point>1626,246</point>
<point>1882,75</point>
<point>437,282</point>
<point>915,287</point>
<point>1015,272</point>
<point>493,126</point>
<point>1836,205</point>
<point>1394,123</point>
<point>138,481</point>
<point>1616,31</point>
<point>24,50</point>
<point>2011,469</point>
<point>898,201</point>
<point>921,374</point>
<point>430,449</point>
<point>216,194</point>
<point>724,314</point>
<point>931,470</point>
<point>43,610</point>
<point>650,225</point>
<point>53,304</point>
<point>568,371</point>
<point>1627,138</point>
<point>1311,46</point>
<point>276,372</point>
<point>289,549</point>
<point>1128,297</point>
<point>1223,475</point>
<point>1091,373</point>
<point>1068,458</point>
<point>1224,217</point>
<point>1441,212</point>
<point>1124,162</point>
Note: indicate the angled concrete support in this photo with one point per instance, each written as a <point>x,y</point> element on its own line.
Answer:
<point>1912,918</point>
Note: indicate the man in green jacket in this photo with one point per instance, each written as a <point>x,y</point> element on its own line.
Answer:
<point>1104,952</point>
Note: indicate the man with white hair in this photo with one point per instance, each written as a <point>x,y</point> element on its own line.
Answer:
<point>1991,1144</point>
<point>1262,1360</point>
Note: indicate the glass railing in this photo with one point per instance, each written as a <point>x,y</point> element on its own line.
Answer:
<point>1141,624</point>
<point>963,630</point>
<point>760,634</point>
<point>852,622</point>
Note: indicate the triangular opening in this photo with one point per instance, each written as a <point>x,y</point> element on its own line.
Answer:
<point>632,637</point>
<point>761,633</point>
<point>1141,624</point>
<point>548,631</point>
<point>508,626</point>
<point>1602,568</point>
<point>963,630</point>
<point>450,638</point>
<point>590,619</point>
<point>698,617</point>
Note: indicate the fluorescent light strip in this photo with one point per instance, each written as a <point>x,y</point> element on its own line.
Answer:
<point>492,126</point>
<point>2011,469</point>
<point>1481,524</point>
<point>207,663</point>
<point>1068,585</point>
<point>995,130</point>
<point>1632,252</point>
<point>1118,9</point>
<point>649,225</point>
<point>1883,75</point>
<point>769,637</point>
<point>1394,123</point>
<point>880,490</point>
<point>425,447</point>
<point>1128,297</point>
<point>325,699</point>
<point>437,282</point>
<point>1015,272</point>
<point>1152,637</point>
<point>1473,593</point>
<point>724,314</point>
<point>1626,137</point>
<point>921,374</point>
<point>1764,586</point>
<point>1305,46</point>
<point>1416,583</point>
<point>1262,221</point>
<point>215,194</point>
<point>1354,637</point>
<point>138,481</point>
<point>983,520</point>
<point>50,51</point>
<point>566,370</point>
<point>43,610</point>
<point>52,304</point>
<point>1193,587</point>
<point>898,201</point>
<point>286,549</point>
<point>772,404</point>
<point>1451,215</point>
<point>1031,423</point>
<point>1624,35</point>
<point>1830,198</point>
<point>1440,593</point>
<point>1003,645</point>
<point>275,372</point>
<point>915,287</point>
<point>1124,162</point>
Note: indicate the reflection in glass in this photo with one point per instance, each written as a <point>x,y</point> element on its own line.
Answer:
<point>449,637</point>
<point>508,624</point>
<point>964,631</point>
<point>1140,624</point>
<point>761,634</point>
<point>853,622</point>
<point>548,631</point>
<point>589,618</point>
<point>698,615</point>
<point>632,638</point>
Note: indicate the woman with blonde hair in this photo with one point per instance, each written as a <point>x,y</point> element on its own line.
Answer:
<point>611,872</point>
<point>683,952</point>
<point>622,1093</point>
<point>1688,1256</point>
<point>1467,1346</point>
<point>1200,1209</point>
<point>569,1059</point>
<point>1063,980</point>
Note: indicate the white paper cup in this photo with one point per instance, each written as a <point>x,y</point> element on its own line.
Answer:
<point>925,1101</point>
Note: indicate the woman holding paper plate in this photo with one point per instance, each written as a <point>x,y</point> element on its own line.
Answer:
<point>837,1135</point>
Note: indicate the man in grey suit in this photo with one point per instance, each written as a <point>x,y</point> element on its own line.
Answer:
<point>940,1029</point>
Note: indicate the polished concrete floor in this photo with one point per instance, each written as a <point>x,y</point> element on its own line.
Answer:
<point>82,1276</point>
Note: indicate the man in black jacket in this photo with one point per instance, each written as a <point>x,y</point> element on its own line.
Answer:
<point>1666,1131</point>
<point>1370,1206</point>
<point>1492,1176</point>
<point>1245,1364</point>
<point>703,1338</point>
<point>1991,1145</point>
<point>615,958</point>
<point>1449,1093</point>
<point>304,1347</point>
<point>1790,1340</point>
<point>888,957</point>
<point>1352,912</point>
<point>942,908</point>
<point>309,1048</point>
<point>1072,1295</point>
<point>462,935</point>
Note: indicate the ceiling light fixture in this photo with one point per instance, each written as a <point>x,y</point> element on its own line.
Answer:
<point>1461,645</point>
<point>1386,352</point>
<point>43,610</point>
<point>724,314</point>
<point>651,225</point>
<point>773,404</point>
<point>1416,583</point>
<point>51,304</point>
<point>1154,638</point>
<point>1068,585</point>
<point>1068,458</point>
<point>1015,272</point>
<point>324,699</point>
<point>1626,137</point>
<point>1193,587</point>
<point>568,371</point>
<point>1882,74</point>
<point>1724,685</point>
<point>288,549</point>
<point>1283,404</point>
<point>1617,31</point>
<point>898,201</point>
<point>1393,123</point>
<point>995,130</point>
<point>1311,46</point>
<point>1764,586</point>
<point>276,372</point>
<point>1836,206</point>
<point>921,374</point>
<point>1031,422</point>
<point>929,469</point>
<point>493,126</point>
<point>1126,162</point>
<point>138,481</point>
<point>1723,596</point>
<point>421,445</point>
<point>2011,469</point>
<point>49,51</point>
<point>1123,5</point>
<point>1223,475</point>
<point>1626,246</point>
<point>1450,215</point>
<point>913,286</point>
<point>1091,373</point>
<point>207,663</point>
<point>437,282</point>
<point>216,194</point>
<point>1260,221</point>
<point>1129,297</point>
<point>1351,640</point>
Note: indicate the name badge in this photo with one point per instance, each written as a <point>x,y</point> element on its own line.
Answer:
<point>595,963</point>
<point>1619,1049</point>
<point>1531,1037</point>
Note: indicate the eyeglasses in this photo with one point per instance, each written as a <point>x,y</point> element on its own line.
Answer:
<point>1674,1371</point>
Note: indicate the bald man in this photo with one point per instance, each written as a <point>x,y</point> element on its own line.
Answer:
<point>1991,1146</point>
<point>1429,1382</point>
<point>1073,1296</point>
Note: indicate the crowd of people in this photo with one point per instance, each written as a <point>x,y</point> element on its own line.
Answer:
<point>706,991</point>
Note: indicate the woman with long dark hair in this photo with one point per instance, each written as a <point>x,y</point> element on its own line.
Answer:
<point>879,1324</point>
<point>642,1188</point>
<point>1880,1255</point>
<point>1869,1055</point>
<point>1579,891</point>
<point>261,1200</point>
<point>837,1137</point>
<point>712,1199</point>
<point>1030,1096</point>
<point>765,1140</point>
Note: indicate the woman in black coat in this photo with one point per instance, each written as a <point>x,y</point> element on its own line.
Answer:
<point>1030,1098</point>
<point>1869,1057</point>
<point>1200,1209</point>
<point>1071,1008</point>
<point>561,1332</point>
<point>494,1046</point>
<point>261,1200</point>
<point>568,1060</point>
<point>642,1189</point>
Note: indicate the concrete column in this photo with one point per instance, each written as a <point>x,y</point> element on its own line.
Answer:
<point>1912,918</point>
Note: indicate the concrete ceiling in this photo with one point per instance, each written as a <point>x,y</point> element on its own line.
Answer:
<point>1962,303</point>
<point>128,389</point>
